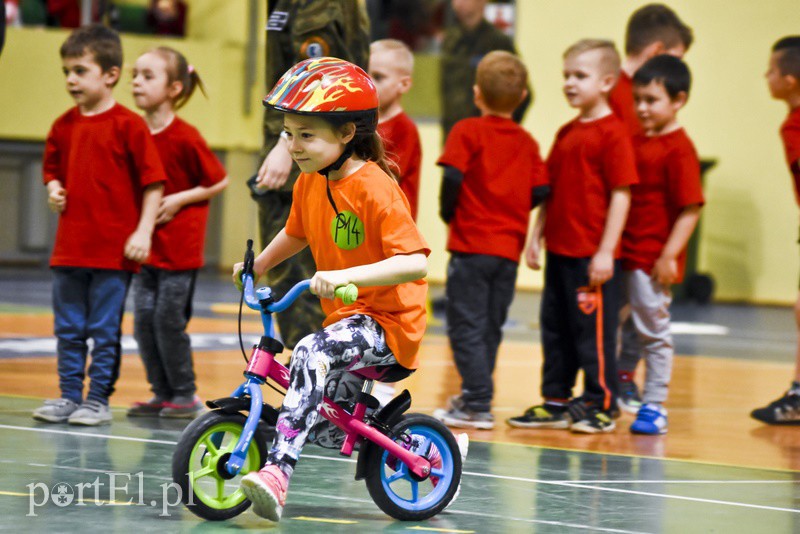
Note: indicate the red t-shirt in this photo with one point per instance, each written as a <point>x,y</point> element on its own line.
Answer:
<point>790,133</point>
<point>104,162</point>
<point>669,181</point>
<point>587,161</point>
<point>178,244</point>
<point>377,225</point>
<point>623,105</point>
<point>501,165</point>
<point>403,147</point>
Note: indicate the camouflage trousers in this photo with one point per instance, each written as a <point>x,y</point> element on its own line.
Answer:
<point>305,315</point>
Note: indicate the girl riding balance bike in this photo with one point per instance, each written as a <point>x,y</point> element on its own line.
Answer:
<point>350,211</point>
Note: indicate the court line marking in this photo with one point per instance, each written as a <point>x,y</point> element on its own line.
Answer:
<point>324,520</point>
<point>643,493</point>
<point>469,473</point>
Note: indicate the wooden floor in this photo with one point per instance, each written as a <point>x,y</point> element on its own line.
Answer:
<point>710,398</point>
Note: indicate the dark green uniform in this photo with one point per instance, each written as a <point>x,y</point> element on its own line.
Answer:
<point>297,30</point>
<point>462,50</point>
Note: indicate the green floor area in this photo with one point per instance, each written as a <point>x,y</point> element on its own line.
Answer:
<point>117,478</point>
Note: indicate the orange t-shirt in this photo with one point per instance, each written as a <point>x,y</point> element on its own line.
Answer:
<point>376,225</point>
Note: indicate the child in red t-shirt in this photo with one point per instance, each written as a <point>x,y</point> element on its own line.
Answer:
<point>783,77</point>
<point>104,179</point>
<point>355,220</point>
<point>493,178</point>
<point>591,167</point>
<point>652,30</point>
<point>665,208</point>
<point>391,64</point>
<point>163,82</point>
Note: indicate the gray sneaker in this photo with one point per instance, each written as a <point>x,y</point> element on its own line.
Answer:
<point>91,413</point>
<point>55,411</point>
<point>459,416</point>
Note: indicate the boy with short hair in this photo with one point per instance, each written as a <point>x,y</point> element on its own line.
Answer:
<point>104,178</point>
<point>493,178</point>
<point>665,208</point>
<point>391,64</point>
<point>783,78</point>
<point>591,167</point>
<point>652,30</point>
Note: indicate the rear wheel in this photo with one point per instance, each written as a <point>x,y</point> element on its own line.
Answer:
<point>198,465</point>
<point>396,490</point>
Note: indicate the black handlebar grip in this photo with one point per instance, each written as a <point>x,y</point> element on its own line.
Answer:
<point>249,258</point>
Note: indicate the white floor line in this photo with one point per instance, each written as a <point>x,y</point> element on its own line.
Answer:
<point>572,484</point>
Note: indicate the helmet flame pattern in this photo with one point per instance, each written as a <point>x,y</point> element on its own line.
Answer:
<point>324,85</point>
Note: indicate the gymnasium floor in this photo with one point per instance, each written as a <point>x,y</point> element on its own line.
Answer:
<point>716,470</point>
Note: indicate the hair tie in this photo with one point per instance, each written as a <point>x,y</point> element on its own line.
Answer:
<point>190,69</point>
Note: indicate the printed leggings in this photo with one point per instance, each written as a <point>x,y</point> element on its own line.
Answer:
<point>320,366</point>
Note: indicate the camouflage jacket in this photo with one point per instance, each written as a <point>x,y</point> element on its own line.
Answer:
<point>299,29</point>
<point>462,50</point>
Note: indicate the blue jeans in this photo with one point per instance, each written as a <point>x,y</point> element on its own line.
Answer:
<point>88,303</point>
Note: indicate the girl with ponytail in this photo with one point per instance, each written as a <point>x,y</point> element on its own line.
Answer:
<point>163,81</point>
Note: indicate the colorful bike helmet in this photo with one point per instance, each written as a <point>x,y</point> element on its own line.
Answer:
<point>327,86</point>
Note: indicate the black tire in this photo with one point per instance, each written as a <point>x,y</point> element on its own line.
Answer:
<point>193,455</point>
<point>389,497</point>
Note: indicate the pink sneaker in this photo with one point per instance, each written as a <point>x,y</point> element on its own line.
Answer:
<point>266,489</point>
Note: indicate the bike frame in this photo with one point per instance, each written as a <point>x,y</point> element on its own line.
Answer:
<point>263,364</point>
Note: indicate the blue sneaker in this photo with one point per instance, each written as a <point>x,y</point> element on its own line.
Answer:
<point>651,419</point>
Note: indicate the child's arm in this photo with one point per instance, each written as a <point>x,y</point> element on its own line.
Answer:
<point>665,270</point>
<point>56,196</point>
<point>533,250</point>
<point>279,249</point>
<point>448,196</point>
<point>601,268</point>
<point>172,204</point>
<point>391,271</point>
<point>137,248</point>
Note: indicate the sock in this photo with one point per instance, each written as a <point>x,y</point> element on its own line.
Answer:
<point>285,464</point>
<point>626,376</point>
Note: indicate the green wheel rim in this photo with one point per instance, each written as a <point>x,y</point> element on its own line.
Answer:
<point>204,479</point>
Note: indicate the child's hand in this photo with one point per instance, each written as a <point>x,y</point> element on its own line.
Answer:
<point>665,271</point>
<point>238,269</point>
<point>137,248</point>
<point>276,167</point>
<point>532,253</point>
<point>56,196</point>
<point>601,268</point>
<point>324,283</point>
<point>169,207</point>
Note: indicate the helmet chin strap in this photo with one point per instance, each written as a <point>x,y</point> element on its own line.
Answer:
<point>335,166</point>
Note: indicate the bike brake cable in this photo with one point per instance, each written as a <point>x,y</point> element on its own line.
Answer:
<point>241,343</point>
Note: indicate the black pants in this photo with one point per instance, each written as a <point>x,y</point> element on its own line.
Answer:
<point>479,291</point>
<point>579,328</point>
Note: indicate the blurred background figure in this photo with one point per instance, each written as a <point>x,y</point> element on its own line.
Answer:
<point>167,17</point>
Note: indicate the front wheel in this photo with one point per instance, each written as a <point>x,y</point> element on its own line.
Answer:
<point>198,465</point>
<point>396,490</point>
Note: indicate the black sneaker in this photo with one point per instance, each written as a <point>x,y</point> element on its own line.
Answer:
<point>595,422</point>
<point>545,415</point>
<point>784,411</point>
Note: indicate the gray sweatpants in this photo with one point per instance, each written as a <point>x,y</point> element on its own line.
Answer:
<point>645,332</point>
<point>162,309</point>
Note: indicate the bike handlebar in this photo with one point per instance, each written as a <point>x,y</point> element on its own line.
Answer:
<point>348,294</point>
